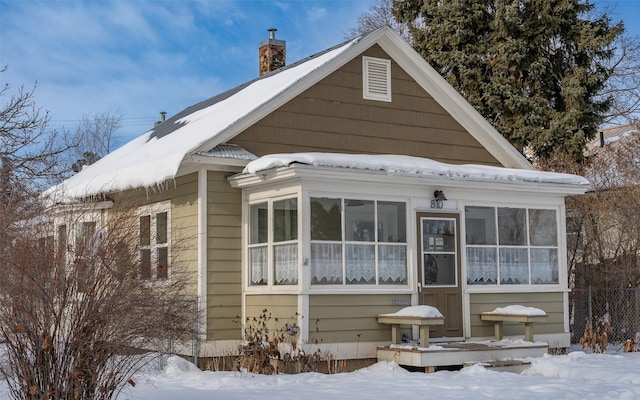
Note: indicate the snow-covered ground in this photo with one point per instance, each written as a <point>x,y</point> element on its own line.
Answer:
<point>574,376</point>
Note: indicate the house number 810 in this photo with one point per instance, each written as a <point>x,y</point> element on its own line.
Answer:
<point>437,204</point>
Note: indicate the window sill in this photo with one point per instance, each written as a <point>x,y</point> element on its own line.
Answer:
<point>515,289</point>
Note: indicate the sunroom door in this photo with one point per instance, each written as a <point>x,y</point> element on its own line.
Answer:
<point>439,270</point>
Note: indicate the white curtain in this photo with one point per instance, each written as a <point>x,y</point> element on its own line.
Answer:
<point>392,264</point>
<point>481,265</point>
<point>285,259</point>
<point>326,263</point>
<point>514,265</point>
<point>258,265</point>
<point>360,264</point>
<point>544,266</point>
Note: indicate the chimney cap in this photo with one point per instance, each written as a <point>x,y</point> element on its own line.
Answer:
<point>272,39</point>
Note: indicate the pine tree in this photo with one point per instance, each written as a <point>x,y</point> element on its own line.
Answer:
<point>534,69</point>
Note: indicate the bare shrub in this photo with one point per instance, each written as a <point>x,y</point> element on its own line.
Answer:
<point>77,321</point>
<point>261,351</point>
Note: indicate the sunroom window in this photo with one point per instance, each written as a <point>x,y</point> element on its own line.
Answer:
<point>280,241</point>
<point>358,242</point>
<point>507,246</point>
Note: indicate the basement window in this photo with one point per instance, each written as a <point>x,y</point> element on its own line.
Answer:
<point>376,79</point>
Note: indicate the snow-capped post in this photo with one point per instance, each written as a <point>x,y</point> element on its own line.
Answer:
<point>422,316</point>
<point>514,313</point>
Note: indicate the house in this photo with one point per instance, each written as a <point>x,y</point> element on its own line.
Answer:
<point>603,241</point>
<point>349,184</point>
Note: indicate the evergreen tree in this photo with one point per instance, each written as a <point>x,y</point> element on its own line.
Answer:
<point>534,69</point>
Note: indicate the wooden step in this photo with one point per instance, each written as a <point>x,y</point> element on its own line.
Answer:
<point>516,366</point>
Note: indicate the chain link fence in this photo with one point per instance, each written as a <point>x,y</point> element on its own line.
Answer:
<point>620,308</point>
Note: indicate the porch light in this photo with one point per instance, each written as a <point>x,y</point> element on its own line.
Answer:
<point>439,195</point>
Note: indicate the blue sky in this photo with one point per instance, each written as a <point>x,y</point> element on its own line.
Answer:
<point>136,58</point>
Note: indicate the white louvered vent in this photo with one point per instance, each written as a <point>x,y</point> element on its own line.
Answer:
<point>376,79</point>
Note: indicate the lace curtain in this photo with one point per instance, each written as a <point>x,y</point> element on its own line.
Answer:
<point>360,264</point>
<point>514,265</point>
<point>392,264</point>
<point>258,265</point>
<point>285,260</point>
<point>544,266</point>
<point>326,263</point>
<point>481,265</point>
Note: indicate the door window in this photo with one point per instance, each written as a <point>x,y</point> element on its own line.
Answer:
<point>439,257</point>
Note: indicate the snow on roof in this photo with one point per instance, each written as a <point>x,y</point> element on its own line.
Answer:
<point>417,311</point>
<point>518,310</point>
<point>409,165</point>
<point>611,135</point>
<point>152,159</point>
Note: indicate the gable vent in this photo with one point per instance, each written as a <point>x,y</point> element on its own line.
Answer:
<point>377,79</point>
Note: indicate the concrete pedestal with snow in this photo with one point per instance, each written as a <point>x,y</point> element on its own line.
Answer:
<point>515,313</point>
<point>430,357</point>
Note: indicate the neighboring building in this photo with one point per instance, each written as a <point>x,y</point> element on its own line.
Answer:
<point>610,135</point>
<point>373,185</point>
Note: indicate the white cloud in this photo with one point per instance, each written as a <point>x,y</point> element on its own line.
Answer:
<point>315,13</point>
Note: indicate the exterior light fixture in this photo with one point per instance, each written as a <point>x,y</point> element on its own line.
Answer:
<point>439,195</point>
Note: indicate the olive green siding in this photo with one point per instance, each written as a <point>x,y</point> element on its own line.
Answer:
<point>351,317</point>
<point>224,266</point>
<point>551,303</point>
<point>273,310</point>
<point>184,227</point>
<point>333,116</point>
<point>183,194</point>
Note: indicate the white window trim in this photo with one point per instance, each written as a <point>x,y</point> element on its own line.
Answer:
<point>376,79</point>
<point>271,286</point>
<point>506,287</point>
<point>152,210</point>
<point>344,286</point>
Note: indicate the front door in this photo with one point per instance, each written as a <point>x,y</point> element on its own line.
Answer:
<point>439,270</point>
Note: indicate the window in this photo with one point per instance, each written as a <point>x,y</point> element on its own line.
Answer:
<point>154,234</point>
<point>376,79</point>
<point>358,242</point>
<point>62,245</point>
<point>85,232</point>
<point>280,242</point>
<point>511,246</point>
<point>85,243</point>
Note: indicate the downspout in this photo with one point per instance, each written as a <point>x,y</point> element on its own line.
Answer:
<point>201,331</point>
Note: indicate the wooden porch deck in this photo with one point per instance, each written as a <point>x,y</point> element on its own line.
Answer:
<point>460,353</point>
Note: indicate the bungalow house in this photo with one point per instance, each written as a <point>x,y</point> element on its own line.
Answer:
<point>349,184</point>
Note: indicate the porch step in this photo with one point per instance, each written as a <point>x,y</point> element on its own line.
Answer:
<point>516,366</point>
<point>462,353</point>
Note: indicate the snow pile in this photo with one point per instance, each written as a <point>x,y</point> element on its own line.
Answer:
<point>408,165</point>
<point>609,368</point>
<point>614,139</point>
<point>416,311</point>
<point>576,376</point>
<point>518,310</point>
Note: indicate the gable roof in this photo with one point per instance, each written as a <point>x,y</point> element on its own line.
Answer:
<point>156,156</point>
<point>611,135</point>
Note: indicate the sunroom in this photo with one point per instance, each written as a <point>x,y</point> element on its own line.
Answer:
<point>336,240</point>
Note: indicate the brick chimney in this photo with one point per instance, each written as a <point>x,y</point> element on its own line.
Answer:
<point>271,53</point>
